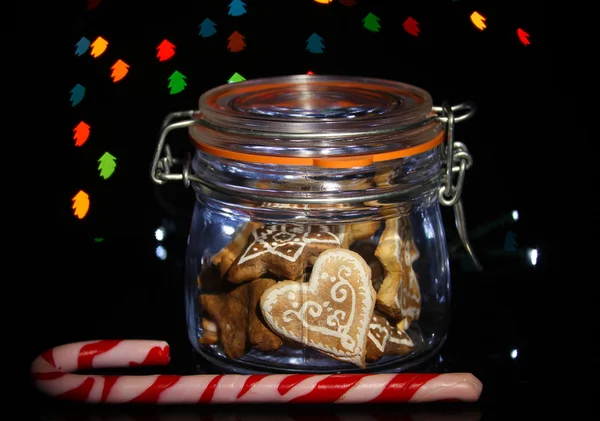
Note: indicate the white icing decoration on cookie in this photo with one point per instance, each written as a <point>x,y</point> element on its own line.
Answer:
<point>397,251</point>
<point>342,234</point>
<point>406,309</point>
<point>333,239</point>
<point>282,237</point>
<point>401,298</point>
<point>381,329</point>
<point>340,322</point>
<point>275,237</point>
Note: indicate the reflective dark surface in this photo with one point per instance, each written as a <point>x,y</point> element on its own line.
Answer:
<point>118,272</point>
<point>274,413</point>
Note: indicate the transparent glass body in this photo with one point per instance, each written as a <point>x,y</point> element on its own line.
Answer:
<point>307,268</point>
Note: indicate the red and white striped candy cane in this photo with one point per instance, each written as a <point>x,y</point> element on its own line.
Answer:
<point>51,374</point>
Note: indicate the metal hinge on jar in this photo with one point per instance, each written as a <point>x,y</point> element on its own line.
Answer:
<point>455,155</point>
<point>456,161</point>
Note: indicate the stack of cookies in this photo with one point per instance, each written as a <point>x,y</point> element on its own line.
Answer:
<point>317,286</point>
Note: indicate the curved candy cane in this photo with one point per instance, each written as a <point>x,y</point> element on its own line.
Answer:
<point>51,374</point>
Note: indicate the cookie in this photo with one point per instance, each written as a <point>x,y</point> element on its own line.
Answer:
<point>259,335</point>
<point>319,238</point>
<point>227,255</point>
<point>282,250</point>
<point>238,320</point>
<point>210,332</point>
<point>399,342</point>
<point>210,281</point>
<point>399,295</point>
<point>358,231</point>
<point>331,312</point>
<point>366,249</point>
<point>384,177</point>
<point>385,339</point>
<point>230,312</point>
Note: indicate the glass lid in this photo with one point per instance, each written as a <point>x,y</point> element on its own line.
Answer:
<point>314,116</point>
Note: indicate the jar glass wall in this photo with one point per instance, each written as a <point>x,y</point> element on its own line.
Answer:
<point>242,251</point>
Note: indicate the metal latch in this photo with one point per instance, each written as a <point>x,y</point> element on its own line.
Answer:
<point>457,161</point>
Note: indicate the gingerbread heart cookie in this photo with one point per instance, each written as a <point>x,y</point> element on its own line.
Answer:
<point>283,250</point>
<point>331,312</point>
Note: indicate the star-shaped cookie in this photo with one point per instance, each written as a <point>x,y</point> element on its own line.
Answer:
<point>282,250</point>
<point>399,295</point>
<point>386,339</point>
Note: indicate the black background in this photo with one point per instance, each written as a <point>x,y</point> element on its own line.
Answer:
<point>118,288</point>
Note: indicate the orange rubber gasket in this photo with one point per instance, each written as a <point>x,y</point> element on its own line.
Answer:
<point>348,161</point>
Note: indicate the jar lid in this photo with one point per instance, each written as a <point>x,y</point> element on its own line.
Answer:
<point>320,120</point>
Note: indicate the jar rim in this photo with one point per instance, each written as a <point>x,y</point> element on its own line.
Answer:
<point>315,118</point>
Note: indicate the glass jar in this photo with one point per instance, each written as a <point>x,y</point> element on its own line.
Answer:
<point>316,242</point>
